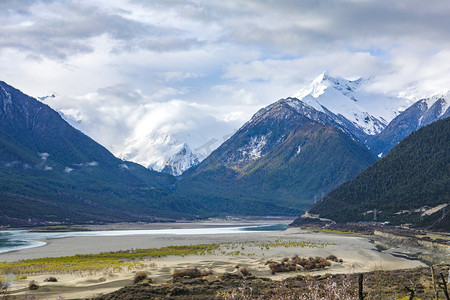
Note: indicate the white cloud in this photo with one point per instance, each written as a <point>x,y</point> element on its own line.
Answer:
<point>202,68</point>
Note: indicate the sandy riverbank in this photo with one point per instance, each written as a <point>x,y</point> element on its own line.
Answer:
<point>358,253</point>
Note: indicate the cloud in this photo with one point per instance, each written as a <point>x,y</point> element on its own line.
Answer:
<point>121,69</point>
<point>58,30</point>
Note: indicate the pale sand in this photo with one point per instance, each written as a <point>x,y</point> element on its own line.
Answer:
<point>358,253</point>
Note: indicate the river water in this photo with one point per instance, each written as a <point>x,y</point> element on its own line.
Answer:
<point>12,240</point>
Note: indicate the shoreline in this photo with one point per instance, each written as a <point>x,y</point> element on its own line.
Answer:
<point>43,238</point>
<point>246,250</point>
<point>175,224</point>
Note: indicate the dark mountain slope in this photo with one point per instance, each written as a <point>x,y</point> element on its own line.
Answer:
<point>277,163</point>
<point>421,113</point>
<point>413,176</point>
<point>50,171</point>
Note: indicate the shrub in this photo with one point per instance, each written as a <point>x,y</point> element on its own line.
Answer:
<point>33,285</point>
<point>245,271</point>
<point>298,263</point>
<point>140,276</point>
<point>51,279</point>
<point>4,286</point>
<point>191,273</point>
<point>332,258</point>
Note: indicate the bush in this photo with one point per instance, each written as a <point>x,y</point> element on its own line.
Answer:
<point>245,271</point>
<point>51,279</point>
<point>33,285</point>
<point>140,276</point>
<point>191,273</point>
<point>332,258</point>
<point>4,286</point>
<point>298,263</point>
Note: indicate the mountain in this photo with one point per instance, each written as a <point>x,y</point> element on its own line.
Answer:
<point>50,172</point>
<point>349,103</point>
<point>344,103</point>
<point>297,149</point>
<point>162,153</point>
<point>277,163</point>
<point>409,185</point>
<point>421,113</point>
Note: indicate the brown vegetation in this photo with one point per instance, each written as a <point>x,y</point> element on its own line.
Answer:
<point>51,279</point>
<point>376,285</point>
<point>33,285</point>
<point>298,264</point>
<point>190,273</point>
<point>140,276</point>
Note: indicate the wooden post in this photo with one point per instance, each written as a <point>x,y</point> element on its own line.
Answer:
<point>360,284</point>
<point>436,292</point>
<point>444,287</point>
<point>411,293</point>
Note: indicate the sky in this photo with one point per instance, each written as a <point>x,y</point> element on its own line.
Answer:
<point>121,70</point>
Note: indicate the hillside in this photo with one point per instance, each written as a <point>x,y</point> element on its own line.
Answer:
<point>412,178</point>
<point>286,156</point>
<point>51,172</point>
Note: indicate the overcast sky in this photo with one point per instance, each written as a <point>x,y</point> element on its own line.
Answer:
<point>125,69</point>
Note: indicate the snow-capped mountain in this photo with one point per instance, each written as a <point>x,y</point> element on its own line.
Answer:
<point>345,100</point>
<point>342,103</point>
<point>283,158</point>
<point>162,153</point>
<point>421,113</point>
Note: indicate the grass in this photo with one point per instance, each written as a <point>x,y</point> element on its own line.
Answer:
<point>335,231</point>
<point>114,261</point>
<point>133,259</point>
<point>434,236</point>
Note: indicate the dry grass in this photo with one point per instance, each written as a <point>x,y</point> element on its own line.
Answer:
<point>297,263</point>
<point>191,273</point>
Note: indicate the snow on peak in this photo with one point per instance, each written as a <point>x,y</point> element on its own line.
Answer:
<point>180,161</point>
<point>161,152</point>
<point>442,96</point>
<point>317,87</point>
<point>369,111</point>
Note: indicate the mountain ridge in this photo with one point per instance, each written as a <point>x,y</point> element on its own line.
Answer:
<point>279,156</point>
<point>52,172</point>
<point>412,178</point>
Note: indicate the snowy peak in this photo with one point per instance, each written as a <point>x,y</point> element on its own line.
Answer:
<point>440,100</point>
<point>434,108</point>
<point>180,161</point>
<point>368,111</point>
<point>321,83</point>
<point>419,114</point>
<point>162,153</point>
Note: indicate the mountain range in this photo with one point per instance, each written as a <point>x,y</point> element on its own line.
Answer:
<point>376,120</point>
<point>285,158</point>
<point>294,151</point>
